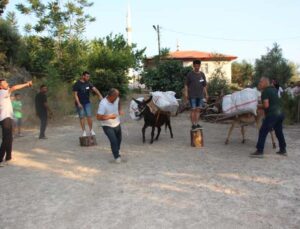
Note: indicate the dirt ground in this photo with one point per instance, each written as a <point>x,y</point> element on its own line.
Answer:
<point>55,183</point>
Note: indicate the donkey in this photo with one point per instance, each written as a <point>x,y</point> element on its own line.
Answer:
<point>245,120</point>
<point>156,119</point>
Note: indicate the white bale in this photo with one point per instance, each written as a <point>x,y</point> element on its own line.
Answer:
<point>133,109</point>
<point>165,101</point>
<point>240,102</point>
<point>227,104</point>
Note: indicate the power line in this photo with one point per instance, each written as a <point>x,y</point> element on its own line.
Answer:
<point>228,39</point>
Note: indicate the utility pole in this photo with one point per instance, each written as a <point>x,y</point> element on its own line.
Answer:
<point>156,28</point>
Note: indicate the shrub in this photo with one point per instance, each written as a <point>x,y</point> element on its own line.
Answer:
<point>167,76</point>
<point>290,108</point>
<point>217,86</point>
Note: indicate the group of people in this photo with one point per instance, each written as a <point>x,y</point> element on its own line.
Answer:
<point>109,111</point>
<point>195,91</point>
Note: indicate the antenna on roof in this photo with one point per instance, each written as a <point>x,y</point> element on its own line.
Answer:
<point>177,45</point>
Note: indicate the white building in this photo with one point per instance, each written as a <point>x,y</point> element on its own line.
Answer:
<point>210,62</point>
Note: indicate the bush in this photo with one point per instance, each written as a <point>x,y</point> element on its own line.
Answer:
<point>167,76</point>
<point>290,108</point>
<point>217,86</point>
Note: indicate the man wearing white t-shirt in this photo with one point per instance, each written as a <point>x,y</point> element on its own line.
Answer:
<point>6,117</point>
<point>109,112</point>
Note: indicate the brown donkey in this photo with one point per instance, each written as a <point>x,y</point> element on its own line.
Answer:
<point>245,120</point>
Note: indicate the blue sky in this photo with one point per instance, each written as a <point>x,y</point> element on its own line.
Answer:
<point>241,28</point>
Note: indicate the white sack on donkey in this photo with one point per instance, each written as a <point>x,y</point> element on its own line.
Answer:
<point>133,109</point>
<point>240,102</point>
<point>165,101</point>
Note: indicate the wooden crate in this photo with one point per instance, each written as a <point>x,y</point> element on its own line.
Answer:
<point>88,141</point>
<point>197,138</point>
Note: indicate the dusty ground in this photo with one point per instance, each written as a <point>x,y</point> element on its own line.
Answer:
<point>55,183</point>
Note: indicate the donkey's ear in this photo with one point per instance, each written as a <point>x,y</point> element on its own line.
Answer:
<point>135,100</point>
<point>148,100</point>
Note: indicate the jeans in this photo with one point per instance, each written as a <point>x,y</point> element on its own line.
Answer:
<point>44,120</point>
<point>7,138</point>
<point>269,123</point>
<point>196,103</point>
<point>85,111</point>
<point>114,135</point>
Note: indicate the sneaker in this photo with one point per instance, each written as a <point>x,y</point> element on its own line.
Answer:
<point>282,152</point>
<point>2,164</point>
<point>43,137</point>
<point>118,160</point>
<point>194,127</point>
<point>257,154</point>
<point>199,126</point>
<point>93,132</point>
<point>84,133</point>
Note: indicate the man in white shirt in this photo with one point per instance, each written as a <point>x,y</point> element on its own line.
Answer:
<point>109,112</point>
<point>6,117</point>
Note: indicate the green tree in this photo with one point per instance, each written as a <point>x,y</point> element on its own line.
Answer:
<point>168,75</point>
<point>295,72</point>
<point>61,21</point>
<point>3,4</point>
<point>65,24</point>
<point>273,65</point>
<point>109,59</point>
<point>242,73</point>
<point>10,41</point>
<point>218,84</point>
<point>39,55</point>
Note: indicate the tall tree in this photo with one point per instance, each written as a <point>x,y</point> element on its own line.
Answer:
<point>167,75</point>
<point>9,43</point>
<point>61,20</point>
<point>3,4</point>
<point>65,23</point>
<point>242,73</point>
<point>273,65</point>
<point>109,59</point>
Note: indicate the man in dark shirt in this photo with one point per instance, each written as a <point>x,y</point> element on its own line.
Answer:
<point>42,110</point>
<point>194,91</point>
<point>273,118</point>
<point>81,91</point>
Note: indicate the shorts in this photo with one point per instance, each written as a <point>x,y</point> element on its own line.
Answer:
<point>85,111</point>
<point>196,103</point>
<point>18,122</point>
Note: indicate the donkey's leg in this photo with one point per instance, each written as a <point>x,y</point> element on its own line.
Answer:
<point>158,132</point>
<point>273,139</point>
<point>152,134</point>
<point>143,132</point>
<point>170,128</point>
<point>229,132</point>
<point>243,134</point>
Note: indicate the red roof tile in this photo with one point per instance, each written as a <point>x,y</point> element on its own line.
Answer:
<point>192,55</point>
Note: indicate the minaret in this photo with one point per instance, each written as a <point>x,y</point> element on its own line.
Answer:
<point>129,40</point>
<point>128,28</point>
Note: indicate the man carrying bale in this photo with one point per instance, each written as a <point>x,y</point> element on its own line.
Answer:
<point>194,91</point>
<point>273,118</point>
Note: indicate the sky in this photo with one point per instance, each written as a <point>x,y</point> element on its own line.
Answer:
<point>234,27</point>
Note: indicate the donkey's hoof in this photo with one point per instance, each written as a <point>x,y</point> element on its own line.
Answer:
<point>226,142</point>
<point>243,141</point>
<point>274,145</point>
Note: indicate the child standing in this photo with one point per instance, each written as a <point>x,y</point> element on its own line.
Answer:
<point>17,108</point>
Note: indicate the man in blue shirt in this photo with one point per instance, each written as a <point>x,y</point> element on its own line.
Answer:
<point>81,91</point>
